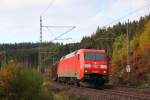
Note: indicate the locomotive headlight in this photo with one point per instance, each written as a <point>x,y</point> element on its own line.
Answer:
<point>104,66</point>
<point>87,65</point>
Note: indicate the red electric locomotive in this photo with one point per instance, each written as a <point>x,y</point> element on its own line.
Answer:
<point>84,65</point>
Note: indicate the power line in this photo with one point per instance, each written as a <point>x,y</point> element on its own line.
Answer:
<point>64,39</point>
<point>50,4</point>
<point>130,13</point>
<point>58,26</point>
<point>57,38</point>
<point>50,32</point>
<point>64,33</point>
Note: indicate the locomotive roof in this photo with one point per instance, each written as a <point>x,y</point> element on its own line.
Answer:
<point>75,52</point>
<point>100,50</point>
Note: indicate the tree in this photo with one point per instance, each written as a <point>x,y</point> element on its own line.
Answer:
<point>145,36</point>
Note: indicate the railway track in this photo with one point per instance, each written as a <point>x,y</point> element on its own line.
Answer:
<point>105,94</point>
<point>133,89</point>
<point>134,95</point>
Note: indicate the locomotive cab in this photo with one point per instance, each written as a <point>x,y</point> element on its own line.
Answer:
<point>95,67</point>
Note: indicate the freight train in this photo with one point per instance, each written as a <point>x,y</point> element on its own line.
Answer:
<point>84,66</point>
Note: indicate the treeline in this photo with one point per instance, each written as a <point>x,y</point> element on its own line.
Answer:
<point>25,53</point>
<point>17,46</point>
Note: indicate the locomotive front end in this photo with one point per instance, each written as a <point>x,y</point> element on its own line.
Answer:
<point>95,67</point>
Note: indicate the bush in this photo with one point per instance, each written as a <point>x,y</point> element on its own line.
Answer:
<point>28,85</point>
<point>17,83</point>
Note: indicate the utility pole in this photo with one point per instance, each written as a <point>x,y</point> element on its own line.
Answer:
<point>40,29</point>
<point>40,44</point>
<point>40,57</point>
<point>128,69</point>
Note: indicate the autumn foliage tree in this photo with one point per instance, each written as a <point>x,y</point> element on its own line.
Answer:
<point>139,58</point>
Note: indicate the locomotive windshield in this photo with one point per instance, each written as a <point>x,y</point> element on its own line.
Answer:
<point>94,56</point>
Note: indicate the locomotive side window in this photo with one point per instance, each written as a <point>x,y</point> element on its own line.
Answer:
<point>94,56</point>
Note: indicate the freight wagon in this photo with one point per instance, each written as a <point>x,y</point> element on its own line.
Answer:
<point>84,65</point>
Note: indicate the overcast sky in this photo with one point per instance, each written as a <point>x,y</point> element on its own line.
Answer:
<point>19,19</point>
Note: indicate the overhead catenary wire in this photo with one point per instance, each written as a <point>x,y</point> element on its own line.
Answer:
<point>46,9</point>
<point>128,14</point>
<point>58,37</point>
<point>64,39</point>
<point>58,26</point>
<point>64,33</point>
<point>55,38</point>
<point>122,17</point>
<point>47,27</point>
<point>50,32</point>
